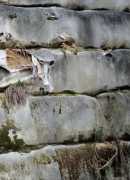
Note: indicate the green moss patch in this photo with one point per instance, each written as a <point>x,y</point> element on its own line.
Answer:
<point>3,168</point>
<point>5,141</point>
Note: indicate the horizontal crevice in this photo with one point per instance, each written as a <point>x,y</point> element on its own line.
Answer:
<point>35,46</point>
<point>53,48</point>
<point>68,92</point>
<point>74,7</point>
<point>24,149</point>
<point>120,88</point>
<point>29,148</point>
<point>32,5</point>
<point>74,93</point>
<point>92,94</point>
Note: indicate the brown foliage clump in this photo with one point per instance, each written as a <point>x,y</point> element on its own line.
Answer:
<point>15,94</point>
<point>90,158</point>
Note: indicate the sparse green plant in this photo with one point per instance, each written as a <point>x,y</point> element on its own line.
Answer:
<point>5,141</point>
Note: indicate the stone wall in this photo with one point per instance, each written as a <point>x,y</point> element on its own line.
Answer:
<point>81,129</point>
<point>98,29</point>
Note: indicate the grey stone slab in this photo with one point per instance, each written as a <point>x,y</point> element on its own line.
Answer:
<point>63,162</point>
<point>90,72</point>
<point>53,119</point>
<point>32,27</point>
<point>115,108</point>
<point>66,119</point>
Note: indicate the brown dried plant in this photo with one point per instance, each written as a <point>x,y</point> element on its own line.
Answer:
<point>15,94</point>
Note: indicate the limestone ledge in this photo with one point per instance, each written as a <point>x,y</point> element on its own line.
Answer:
<point>73,162</point>
<point>38,27</point>
<point>89,72</point>
<point>65,119</point>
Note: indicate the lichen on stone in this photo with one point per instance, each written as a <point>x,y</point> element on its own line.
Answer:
<point>42,159</point>
<point>3,168</point>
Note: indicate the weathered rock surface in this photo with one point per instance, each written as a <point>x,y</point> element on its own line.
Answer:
<point>66,119</point>
<point>33,27</point>
<point>90,72</point>
<point>116,110</point>
<point>75,4</point>
<point>67,163</point>
<point>88,102</point>
<point>54,119</point>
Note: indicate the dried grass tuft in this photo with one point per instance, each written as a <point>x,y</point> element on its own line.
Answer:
<point>15,95</point>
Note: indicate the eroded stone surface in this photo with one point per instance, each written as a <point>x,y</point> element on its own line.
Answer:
<point>55,119</point>
<point>115,108</point>
<point>90,72</point>
<point>67,119</point>
<point>76,162</point>
<point>32,27</point>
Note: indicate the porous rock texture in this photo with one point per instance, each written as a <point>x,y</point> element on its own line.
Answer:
<point>81,129</point>
<point>77,162</point>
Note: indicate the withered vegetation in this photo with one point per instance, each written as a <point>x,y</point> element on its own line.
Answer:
<point>15,94</point>
<point>94,159</point>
